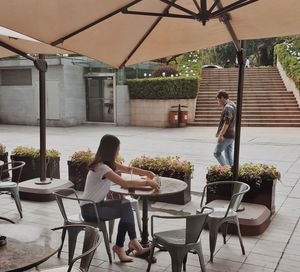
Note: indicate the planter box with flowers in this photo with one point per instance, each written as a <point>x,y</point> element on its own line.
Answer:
<point>78,167</point>
<point>31,157</point>
<point>172,167</point>
<point>261,178</point>
<point>4,158</point>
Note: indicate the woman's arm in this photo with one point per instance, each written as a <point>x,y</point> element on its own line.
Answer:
<point>112,176</point>
<point>134,170</point>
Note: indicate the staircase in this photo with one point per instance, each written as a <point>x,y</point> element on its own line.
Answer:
<point>266,102</point>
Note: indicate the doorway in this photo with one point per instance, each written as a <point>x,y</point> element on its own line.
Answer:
<point>100,98</point>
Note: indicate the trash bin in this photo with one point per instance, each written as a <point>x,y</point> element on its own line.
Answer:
<point>173,118</point>
<point>183,118</point>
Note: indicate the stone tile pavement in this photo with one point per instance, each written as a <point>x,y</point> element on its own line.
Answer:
<point>278,249</point>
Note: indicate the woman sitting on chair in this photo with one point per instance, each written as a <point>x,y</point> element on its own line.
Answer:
<point>102,171</point>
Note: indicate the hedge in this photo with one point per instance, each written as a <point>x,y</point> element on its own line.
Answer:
<point>163,88</point>
<point>290,63</point>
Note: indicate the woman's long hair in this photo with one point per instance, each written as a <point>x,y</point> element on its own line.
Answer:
<point>106,152</point>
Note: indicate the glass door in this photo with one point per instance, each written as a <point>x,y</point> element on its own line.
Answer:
<point>100,98</point>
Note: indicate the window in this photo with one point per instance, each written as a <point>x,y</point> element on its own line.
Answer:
<point>16,77</point>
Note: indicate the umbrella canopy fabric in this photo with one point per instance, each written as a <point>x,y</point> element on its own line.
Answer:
<point>25,44</point>
<point>108,35</point>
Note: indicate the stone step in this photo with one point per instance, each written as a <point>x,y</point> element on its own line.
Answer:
<point>250,116</point>
<point>263,113</point>
<point>248,124</point>
<point>248,99</point>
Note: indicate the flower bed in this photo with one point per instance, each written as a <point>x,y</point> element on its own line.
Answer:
<point>172,167</point>
<point>261,178</point>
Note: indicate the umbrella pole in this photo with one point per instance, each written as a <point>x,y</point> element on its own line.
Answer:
<point>241,60</point>
<point>41,65</point>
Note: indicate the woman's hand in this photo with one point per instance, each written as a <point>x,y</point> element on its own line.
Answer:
<point>153,183</point>
<point>151,175</point>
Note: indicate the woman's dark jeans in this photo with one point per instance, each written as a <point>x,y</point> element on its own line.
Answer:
<point>109,210</point>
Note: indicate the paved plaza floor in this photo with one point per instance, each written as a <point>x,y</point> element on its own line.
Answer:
<point>278,249</point>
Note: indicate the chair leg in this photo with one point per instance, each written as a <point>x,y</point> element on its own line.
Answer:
<point>63,236</point>
<point>213,233</point>
<point>224,228</point>
<point>151,254</point>
<point>239,233</point>
<point>102,228</point>
<point>177,257</point>
<point>111,225</point>
<point>16,195</point>
<point>184,262</point>
<point>72,238</point>
<point>200,256</point>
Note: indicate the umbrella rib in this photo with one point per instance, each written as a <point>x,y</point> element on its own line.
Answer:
<point>213,6</point>
<point>145,36</point>
<point>173,4</point>
<point>16,50</point>
<point>62,39</point>
<point>233,6</point>
<point>197,5</point>
<point>156,14</point>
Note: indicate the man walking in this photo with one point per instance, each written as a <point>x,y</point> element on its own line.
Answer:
<point>226,130</point>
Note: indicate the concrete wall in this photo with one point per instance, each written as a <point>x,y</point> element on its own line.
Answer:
<point>122,105</point>
<point>155,113</point>
<point>289,84</point>
<point>65,94</point>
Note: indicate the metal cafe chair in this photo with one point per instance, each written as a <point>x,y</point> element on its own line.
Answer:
<point>90,243</point>
<point>224,215</point>
<point>71,218</point>
<point>9,187</point>
<point>179,242</point>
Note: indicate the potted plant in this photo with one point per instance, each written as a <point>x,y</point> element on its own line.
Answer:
<point>260,177</point>
<point>172,167</point>
<point>4,158</point>
<point>78,167</point>
<point>31,157</point>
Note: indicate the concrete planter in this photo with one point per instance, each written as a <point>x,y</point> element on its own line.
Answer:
<point>155,113</point>
<point>77,174</point>
<point>4,158</point>
<point>31,169</point>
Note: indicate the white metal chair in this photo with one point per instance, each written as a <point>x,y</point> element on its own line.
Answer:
<point>224,215</point>
<point>9,187</point>
<point>90,243</point>
<point>69,219</point>
<point>180,242</point>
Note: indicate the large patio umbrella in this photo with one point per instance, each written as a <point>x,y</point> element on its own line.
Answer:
<point>11,44</point>
<point>123,32</point>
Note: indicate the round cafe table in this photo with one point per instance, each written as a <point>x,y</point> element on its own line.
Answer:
<point>27,246</point>
<point>168,186</point>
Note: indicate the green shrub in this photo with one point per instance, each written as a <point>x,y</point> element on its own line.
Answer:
<point>163,164</point>
<point>254,173</point>
<point>2,148</point>
<point>290,61</point>
<point>163,88</point>
<point>34,152</point>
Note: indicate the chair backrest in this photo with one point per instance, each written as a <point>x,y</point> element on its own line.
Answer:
<point>194,226</point>
<point>13,166</point>
<point>238,191</point>
<point>62,196</point>
<point>90,243</point>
